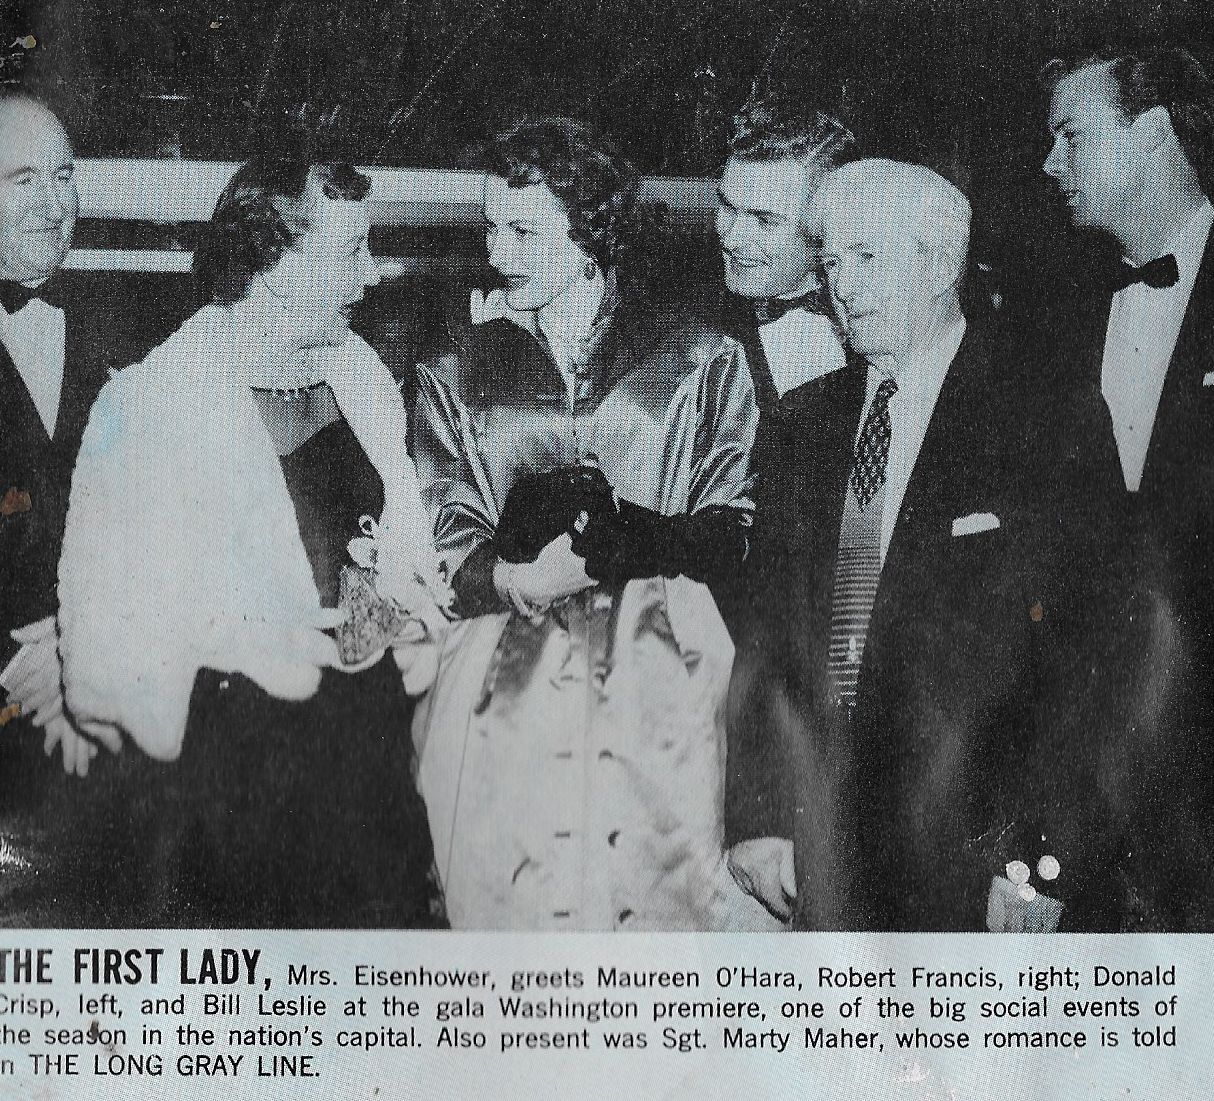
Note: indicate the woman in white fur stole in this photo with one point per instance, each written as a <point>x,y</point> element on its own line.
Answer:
<point>222,484</point>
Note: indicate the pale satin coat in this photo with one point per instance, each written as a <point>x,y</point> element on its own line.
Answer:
<point>573,770</point>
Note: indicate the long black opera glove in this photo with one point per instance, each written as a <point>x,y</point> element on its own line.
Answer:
<point>542,506</point>
<point>635,542</point>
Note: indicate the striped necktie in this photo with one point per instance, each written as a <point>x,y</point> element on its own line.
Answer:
<point>858,565</point>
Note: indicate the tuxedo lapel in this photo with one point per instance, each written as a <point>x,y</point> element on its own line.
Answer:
<point>1185,404</point>
<point>80,385</point>
<point>931,490</point>
<point>83,376</point>
<point>843,397</point>
<point>737,318</point>
<point>28,543</point>
<point>760,370</point>
<point>23,427</point>
<point>35,463</point>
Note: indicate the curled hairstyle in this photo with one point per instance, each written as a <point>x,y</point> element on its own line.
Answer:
<point>582,168</point>
<point>765,130</point>
<point>1168,77</point>
<point>262,212</point>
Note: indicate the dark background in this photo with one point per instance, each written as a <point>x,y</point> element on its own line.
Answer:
<point>949,83</point>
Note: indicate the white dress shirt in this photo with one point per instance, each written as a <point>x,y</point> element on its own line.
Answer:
<point>36,338</point>
<point>1144,324</point>
<point>800,346</point>
<point>910,412</point>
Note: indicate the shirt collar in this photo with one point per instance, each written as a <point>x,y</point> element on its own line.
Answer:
<point>926,374</point>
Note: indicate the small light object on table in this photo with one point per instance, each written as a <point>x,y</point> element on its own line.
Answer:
<point>1018,872</point>
<point>1048,868</point>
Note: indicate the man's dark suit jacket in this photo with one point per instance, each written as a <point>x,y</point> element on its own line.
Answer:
<point>740,323</point>
<point>38,464</point>
<point>1156,672</point>
<point>957,756</point>
<point>736,316</point>
<point>72,836</point>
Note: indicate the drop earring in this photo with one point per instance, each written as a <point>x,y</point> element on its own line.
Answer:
<point>589,270</point>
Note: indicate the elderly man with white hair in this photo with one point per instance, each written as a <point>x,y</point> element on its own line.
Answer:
<point>885,729</point>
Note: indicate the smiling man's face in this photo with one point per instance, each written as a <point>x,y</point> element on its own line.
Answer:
<point>762,221</point>
<point>38,199</point>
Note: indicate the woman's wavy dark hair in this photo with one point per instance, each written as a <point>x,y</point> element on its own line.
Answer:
<point>262,212</point>
<point>582,168</point>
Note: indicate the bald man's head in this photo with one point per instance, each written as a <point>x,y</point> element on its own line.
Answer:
<point>38,198</point>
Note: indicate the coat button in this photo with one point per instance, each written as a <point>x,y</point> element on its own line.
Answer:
<point>613,837</point>
<point>624,915</point>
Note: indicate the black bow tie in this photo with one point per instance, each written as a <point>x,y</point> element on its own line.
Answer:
<point>768,310</point>
<point>15,296</point>
<point>1162,272</point>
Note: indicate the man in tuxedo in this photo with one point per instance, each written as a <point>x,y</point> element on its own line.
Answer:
<point>70,854</point>
<point>48,380</point>
<point>764,221</point>
<point>890,765</point>
<point>44,405</point>
<point>1132,155</point>
<point>775,307</point>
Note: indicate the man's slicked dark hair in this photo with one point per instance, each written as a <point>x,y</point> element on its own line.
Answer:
<point>772,130</point>
<point>1168,77</point>
<point>262,212</point>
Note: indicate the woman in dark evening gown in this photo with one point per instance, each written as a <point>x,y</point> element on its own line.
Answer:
<point>223,484</point>
<point>323,785</point>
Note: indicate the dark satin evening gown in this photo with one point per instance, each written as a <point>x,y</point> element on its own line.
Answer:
<point>301,814</point>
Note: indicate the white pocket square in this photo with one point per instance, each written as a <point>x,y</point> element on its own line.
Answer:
<point>974,523</point>
<point>1208,379</point>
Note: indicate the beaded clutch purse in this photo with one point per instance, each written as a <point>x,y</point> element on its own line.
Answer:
<point>372,621</point>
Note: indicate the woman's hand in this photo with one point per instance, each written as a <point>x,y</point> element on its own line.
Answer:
<point>555,574</point>
<point>34,682</point>
<point>285,659</point>
<point>77,750</point>
<point>416,652</point>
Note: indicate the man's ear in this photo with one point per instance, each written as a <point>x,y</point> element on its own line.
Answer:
<point>944,271</point>
<point>1154,127</point>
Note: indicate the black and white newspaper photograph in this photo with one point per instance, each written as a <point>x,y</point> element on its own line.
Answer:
<point>602,547</point>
